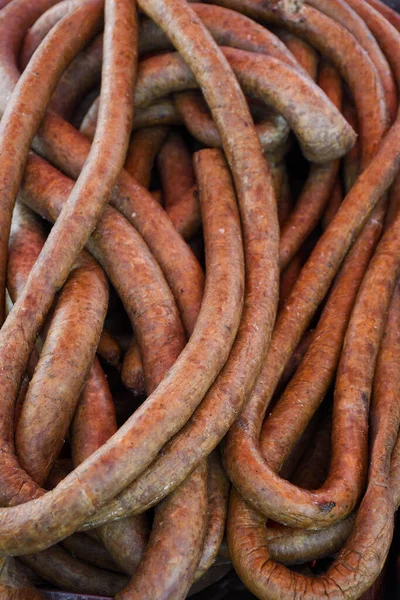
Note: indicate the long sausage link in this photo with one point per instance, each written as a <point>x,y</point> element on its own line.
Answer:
<point>317,188</point>
<point>144,146</point>
<point>26,241</point>
<point>242,195</point>
<point>174,165</point>
<point>362,558</point>
<point>62,369</point>
<point>27,238</point>
<point>109,348</point>
<point>60,568</point>
<point>305,54</point>
<point>94,423</point>
<point>180,520</point>
<point>68,236</point>
<point>228,28</point>
<point>242,384</point>
<point>115,243</point>
<point>81,75</point>
<point>157,481</point>
<point>161,113</point>
<point>325,137</point>
<point>242,437</point>
<point>90,550</point>
<point>13,585</point>
<point>179,187</point>
<point>77,81</point>
<point>345,13</point>
<point>132,369</point>
<point>297,546</point>
<point>218,494</point>
<point>18,125</point>
<point>41,27</point>
<point>390,15</point>
<point>226,292</point>
<point>185,215</point>
<point>171,557</point>
<point>272,132</point>
<point>324,350</point>
<point>345,53</point>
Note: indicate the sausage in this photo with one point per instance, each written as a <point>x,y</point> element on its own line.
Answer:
<point>324,137</point>
<point>178,184</point>
<point>342,49</point>
<point>390,15</point>
<point>89,550</point>
<point>174,166</point>
<point>334,202</point>
<point>94,423</point>
<point>185,215</point>
<point>272,132</point>
<point>162,74</point>
<point>352,160</point>
<point>52,14</point>
<point>161,113</point>
<point>26,241</point>
<point>218,494</point>
<point>317,188</point>
<point>233,443</point>
<point>62,370</point>
<point>242,435</point>
<point>132,369</point>
<point>213,416</point>
<point>170,560</point>
<point>143,149</point>
<point>13,584</point>
<point>342,13</point>
<point>18,126</point>
<point>298,546</point>
<point>79,79</point>
<point>109,349</point>
<point>355,568</point>
<point>181,269</point>
<point>288,419</point>
<point>228,28</point>
<point>305,54</point>
<point>115,243</point>
<point>94,419</point>
<point>60,568</point>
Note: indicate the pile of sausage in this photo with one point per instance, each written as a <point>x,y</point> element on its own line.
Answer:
<point>199,296</point>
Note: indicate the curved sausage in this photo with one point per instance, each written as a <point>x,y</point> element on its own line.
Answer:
<point>272,132</point>
<point>318,186</point>
<point>18,126</point>
<point>62,370</point>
